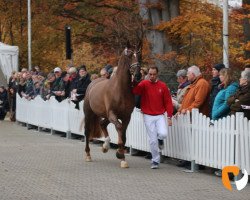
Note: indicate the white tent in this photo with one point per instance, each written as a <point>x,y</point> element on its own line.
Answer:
<point>8,59</point>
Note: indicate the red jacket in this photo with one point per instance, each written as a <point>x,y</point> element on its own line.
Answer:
<point>155,98</point>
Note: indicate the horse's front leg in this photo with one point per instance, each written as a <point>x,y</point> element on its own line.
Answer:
<point>119,128</point>
<point>106,145</point>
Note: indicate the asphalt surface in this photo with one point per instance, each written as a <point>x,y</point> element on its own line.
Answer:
<point>40,166</point>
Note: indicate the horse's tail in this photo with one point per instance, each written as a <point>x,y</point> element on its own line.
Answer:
<point>92,126</point>
<point>95,130</point>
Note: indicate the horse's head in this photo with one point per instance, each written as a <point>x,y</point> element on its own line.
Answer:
<point>134,54</point>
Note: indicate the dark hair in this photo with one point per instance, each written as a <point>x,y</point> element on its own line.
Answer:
<point>63,74</point>
<point>154,67</point>
<point>82,67</point>
<point>247,66</point>
<point>219,66</point>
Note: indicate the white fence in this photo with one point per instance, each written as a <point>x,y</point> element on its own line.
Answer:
<point>192,137</point>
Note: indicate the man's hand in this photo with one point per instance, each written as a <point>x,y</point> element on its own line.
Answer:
<point>169,121</point>
<point>245,107</point>
<point>183,111</point>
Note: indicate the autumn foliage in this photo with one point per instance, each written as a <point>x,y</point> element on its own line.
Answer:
<point>101,28</point>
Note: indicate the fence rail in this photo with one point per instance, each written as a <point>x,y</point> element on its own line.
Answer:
<point>192,136</point>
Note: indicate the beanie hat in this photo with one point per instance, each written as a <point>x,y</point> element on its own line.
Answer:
<point>109,68</point>
<point>219,66</point>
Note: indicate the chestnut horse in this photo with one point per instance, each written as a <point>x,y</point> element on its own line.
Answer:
<point>111,101</point>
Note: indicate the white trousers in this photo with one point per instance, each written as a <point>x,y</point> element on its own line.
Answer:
<point>156,127</point>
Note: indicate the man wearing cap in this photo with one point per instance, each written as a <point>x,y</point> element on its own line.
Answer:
<point>182,88</point>
<point>109,69</point>
<point>58,85</point>
<point>215,83</point>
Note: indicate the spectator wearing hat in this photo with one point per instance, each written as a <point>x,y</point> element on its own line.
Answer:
<point>215,84</point>
<point>109,69</point>
<point>57,89</point>
<point>182,88</point>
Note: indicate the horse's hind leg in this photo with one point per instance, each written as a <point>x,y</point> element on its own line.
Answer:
<point>87,149</point>
<point>89,119</point>
<point>106,145</point>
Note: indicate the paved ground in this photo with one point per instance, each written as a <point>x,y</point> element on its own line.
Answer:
<point>40,166</point>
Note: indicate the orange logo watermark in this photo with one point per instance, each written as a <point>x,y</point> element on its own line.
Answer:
<point>240,184</point>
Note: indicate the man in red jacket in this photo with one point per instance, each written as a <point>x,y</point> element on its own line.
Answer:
<point>157,109</point>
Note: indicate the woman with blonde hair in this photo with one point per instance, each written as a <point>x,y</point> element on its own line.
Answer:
<point>228,88</point>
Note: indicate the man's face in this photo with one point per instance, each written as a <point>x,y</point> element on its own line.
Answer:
<point>180,79</point>
<point>58,73</point>
<point>66,78</point>
<point>82,72</point>
<point>27,75</point>
<point>215,72</point>
<point>153,75</point>
<point>191,76</point>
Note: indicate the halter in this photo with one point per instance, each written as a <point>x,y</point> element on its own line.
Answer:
<point>136,64</point>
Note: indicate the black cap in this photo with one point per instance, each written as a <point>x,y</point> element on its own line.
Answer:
<point>219,66</point>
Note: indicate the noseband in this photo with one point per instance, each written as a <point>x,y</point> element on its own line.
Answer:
<point>136,64</point>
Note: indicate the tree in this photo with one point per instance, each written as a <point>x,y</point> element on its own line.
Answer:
<point>246,27</point>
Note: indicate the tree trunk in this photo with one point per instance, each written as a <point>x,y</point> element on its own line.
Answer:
<point>154,16</point>
<point>246,28</point>
<point>160,11</point>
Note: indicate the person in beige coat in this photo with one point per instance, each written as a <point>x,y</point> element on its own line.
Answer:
<point>182,88</point>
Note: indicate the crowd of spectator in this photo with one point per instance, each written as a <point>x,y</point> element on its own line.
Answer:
<point>223,96</point>
<point>71,83</point>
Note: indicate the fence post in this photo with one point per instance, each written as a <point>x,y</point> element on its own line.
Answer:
<point>68,132</point>
<point>194,126</point>
<point>237,150</point>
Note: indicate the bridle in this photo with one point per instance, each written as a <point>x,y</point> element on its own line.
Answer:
<point>136,64</point>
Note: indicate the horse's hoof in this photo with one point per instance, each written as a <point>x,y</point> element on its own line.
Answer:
<point>119,155</point>
<point>124,164</point>
<point>88,159</point>
<point>104,150</point>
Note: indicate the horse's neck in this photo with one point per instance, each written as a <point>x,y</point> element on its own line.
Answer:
<point>123,77</point>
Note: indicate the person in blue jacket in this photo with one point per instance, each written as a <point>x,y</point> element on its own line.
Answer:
<point>220,107</point>
<point>228,88</point>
